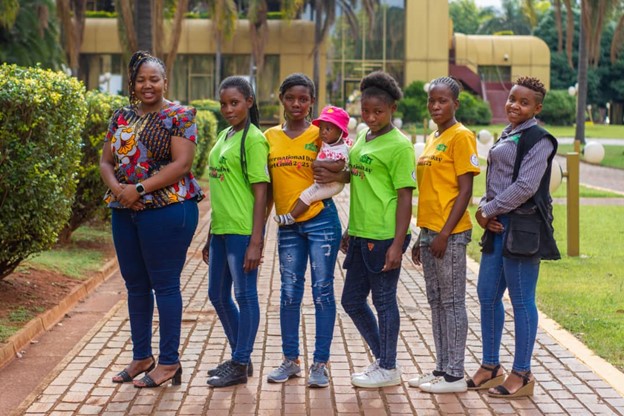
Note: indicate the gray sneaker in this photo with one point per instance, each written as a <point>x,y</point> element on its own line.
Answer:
<point>286,370</point>
<point>319,376</point>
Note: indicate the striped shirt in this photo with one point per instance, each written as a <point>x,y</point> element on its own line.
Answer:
<point>502,195</point>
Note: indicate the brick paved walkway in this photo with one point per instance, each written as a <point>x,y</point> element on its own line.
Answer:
<point>82,385</point>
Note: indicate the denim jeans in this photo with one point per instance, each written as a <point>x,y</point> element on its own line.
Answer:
<point>519,276</point>
<point>364,261</point>
<point>445,280</point>
<point>227,256</point>
<point>319,239</point>
<point>151,249</point>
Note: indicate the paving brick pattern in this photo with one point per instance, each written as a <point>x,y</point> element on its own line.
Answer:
<point>82,384</point>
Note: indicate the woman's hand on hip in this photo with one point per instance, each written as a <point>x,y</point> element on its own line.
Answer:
<point>393,258</point>
<point>253,255</point>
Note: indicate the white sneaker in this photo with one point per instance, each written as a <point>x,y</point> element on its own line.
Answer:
<point>422,379</point>
<point>379,377</point>
<point>369,368</point>
<point>440,385</point>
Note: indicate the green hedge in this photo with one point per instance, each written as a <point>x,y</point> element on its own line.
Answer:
<point>207,136</point>
<point>413,106</point>
<point>473,110</point>
<point>559,108</point>
<point>214,107</point>
<point>41,116</point>
<point>90,189</point>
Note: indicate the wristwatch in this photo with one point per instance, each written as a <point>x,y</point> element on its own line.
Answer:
<point>140,188</point>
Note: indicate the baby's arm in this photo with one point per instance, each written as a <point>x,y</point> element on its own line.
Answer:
<point>329,164</point>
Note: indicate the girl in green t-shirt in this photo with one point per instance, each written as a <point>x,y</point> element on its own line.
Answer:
<point>238,178</point>
<point>382,164</point>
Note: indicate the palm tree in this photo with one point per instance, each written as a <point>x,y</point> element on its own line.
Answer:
<point>149,33</point>
<point>8,13</point>
<point>594,15</point>
<point>72,16</point>
<point>29,33</point>
<point>223,14</point>
<point>325,16</point>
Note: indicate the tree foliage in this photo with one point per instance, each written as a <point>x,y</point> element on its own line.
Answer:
<point>41,117</point>
<point>90,188</point>
<point>33,38</point>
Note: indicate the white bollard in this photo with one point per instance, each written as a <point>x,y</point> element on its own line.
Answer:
<point>593,152</point>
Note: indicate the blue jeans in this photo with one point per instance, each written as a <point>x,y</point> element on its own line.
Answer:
<point>319,239</point>
<point>519,276</point>
<point>364,261</point>
<point>151,249</point>
<point>227,256</point>
<point>445,280</point>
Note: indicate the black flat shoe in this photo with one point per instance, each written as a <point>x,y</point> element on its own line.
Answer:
<point>215,371</point>
<point>176,380</point>
<point>126,377</point>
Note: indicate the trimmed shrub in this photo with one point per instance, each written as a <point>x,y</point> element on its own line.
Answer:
<point>215,108</point>
<point>90,188</point>
<point>207,136</point>
<point>41,116</point>
<point>413,106</point>
<point>473,110</point>
<point>559,108</point>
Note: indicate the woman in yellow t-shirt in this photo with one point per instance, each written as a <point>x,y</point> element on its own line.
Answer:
<point>293,147</point>
<point>445,172</point>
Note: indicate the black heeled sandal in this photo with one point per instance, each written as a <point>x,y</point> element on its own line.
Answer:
<point>126,377</point>
<point>176,380</point>
<point>527,388</point>
<point>494,380</point>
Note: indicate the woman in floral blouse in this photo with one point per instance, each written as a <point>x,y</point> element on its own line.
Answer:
<point>146,161</point>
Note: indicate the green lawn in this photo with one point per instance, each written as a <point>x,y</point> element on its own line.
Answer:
<point>79,258</point>
<point>614,155</point>
<point>597,131</point>
<point>585,294</point>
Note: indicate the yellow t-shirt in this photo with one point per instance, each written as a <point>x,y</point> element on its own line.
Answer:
<point>452,154</point>
<point>290,166</point>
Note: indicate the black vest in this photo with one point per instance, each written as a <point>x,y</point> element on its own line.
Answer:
<point>548,247</point>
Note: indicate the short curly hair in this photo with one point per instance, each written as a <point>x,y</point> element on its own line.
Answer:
<point>381,84</point>
<point>533,84</point>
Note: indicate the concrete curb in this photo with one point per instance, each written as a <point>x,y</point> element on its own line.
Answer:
<point>610,374</point>
<point>48,319</point>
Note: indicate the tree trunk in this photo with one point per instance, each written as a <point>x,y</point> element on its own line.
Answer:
<point>581,92</point>
<point>143,24</point>
<point>217,71</point>
<point>316,69</point>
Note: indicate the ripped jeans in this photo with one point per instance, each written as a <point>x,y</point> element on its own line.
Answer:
<point>319,239</point>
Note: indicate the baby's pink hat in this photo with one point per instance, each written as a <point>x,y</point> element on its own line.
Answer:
<point>335,115</point>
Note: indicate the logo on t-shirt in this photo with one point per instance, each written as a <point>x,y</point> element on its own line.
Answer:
<point>441,147</point>
<point>474,160</point>
<point>366,159</point>
<point>311,146</point>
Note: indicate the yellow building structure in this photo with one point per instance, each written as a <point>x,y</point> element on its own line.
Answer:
<point>411,39</point>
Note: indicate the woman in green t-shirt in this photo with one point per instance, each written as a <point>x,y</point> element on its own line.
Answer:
<point>383,165</point>
<point>238,193</point>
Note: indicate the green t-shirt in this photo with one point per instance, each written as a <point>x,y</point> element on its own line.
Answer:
<point>231,196</point>
<point>378,168</point>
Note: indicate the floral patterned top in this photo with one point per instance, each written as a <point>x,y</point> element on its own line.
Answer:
<point>141,146</point>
